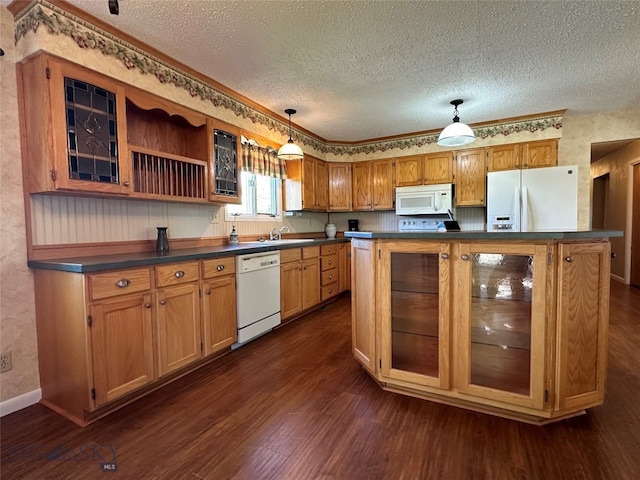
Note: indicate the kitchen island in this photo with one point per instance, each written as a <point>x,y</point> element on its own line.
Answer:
<point>510,324</point>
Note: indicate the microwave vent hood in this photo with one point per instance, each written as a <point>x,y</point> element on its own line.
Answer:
<point>424,199</point>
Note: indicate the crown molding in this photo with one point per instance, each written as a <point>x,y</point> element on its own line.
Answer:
<point>86,35</point>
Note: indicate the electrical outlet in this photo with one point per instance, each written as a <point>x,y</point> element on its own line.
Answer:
<point>5,362</point>
<point>215,214</point>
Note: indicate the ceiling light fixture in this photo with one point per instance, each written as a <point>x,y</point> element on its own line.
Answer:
<point>290,151</point>
<point>457,133</point>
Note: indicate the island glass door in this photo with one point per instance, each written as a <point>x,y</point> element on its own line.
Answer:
<point>415,313</point>
<point>502,352</point>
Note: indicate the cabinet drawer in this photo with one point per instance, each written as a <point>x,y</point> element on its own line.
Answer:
<point>122,282</point>
<point>176,273</point>
<point>329,249</point>
<point>329,291</point>
<point>310,252</point>
<point>217,267</point>
<point>290,255</point>
<point>329,276</point>
<point>328,261</point>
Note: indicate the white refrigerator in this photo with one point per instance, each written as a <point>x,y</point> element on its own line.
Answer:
<point>534,200</point>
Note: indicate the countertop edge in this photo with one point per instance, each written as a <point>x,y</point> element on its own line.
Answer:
<point>144,259</point>
<point>483,235</point>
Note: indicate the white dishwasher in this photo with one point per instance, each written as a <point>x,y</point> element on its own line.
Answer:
<point>258,294</point>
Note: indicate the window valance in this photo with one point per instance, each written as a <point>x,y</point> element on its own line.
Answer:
<point>262,160</point>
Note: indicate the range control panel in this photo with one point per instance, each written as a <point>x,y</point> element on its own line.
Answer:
<point>417,224</point>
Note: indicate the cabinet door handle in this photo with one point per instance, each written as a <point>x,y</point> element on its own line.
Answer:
<point>208,292</point>
<point>147,305</point>
<point>464,256</point>
<point>123,283</point>
<point>220,268</point>
<point>163,302</point>
<point>179,274</point>
<point>568,259</point>
<point>445,256</point>
<point>125,183</point>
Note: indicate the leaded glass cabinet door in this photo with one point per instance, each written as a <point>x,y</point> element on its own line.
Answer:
<point>225,163</point>
<point>503,306</point>
<point>414,313</point>
<point>90,137</point>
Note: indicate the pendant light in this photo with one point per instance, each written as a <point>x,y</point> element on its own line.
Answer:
<point>290,151</point>
<point>457,133</point>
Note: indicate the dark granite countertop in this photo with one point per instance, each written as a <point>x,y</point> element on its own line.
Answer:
<point>127,260</point>
<point>484,235</point>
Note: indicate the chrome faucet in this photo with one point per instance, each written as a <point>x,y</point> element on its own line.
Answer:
<point>282,229</point>
<point>277,234</point>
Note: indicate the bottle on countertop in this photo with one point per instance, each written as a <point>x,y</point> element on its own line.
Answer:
<point>233,236</point>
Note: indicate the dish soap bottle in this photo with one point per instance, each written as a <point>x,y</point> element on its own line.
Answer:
<point>233,236</point>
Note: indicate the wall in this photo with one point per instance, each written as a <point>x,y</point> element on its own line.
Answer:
<point>17,307</point>
<point>617,166</point>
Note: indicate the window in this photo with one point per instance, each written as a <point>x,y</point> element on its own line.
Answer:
<point>261,199</point>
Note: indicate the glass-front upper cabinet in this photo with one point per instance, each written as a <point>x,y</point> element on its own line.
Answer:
<point>503,310</point>
<point>414,313</point>
<point>225,163</point>
<point>77,132</point>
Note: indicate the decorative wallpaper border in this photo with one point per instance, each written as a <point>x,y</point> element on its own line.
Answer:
<point>86,35</point>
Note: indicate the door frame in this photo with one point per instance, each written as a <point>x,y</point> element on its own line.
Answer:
<point>629,222</point>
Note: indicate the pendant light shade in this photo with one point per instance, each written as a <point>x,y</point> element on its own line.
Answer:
<point>290,151</point>
<point>457,133</point>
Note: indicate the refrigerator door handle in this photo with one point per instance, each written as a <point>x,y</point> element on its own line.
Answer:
<point>525,210</point>
<point>517,226</point>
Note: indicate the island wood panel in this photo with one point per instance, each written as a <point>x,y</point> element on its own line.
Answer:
<point>363,308</point>
<point>582,336</point>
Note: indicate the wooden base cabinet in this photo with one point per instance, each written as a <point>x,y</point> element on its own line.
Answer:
<point>510,328</point>
<point>106,338</point>
<point>299,280</point>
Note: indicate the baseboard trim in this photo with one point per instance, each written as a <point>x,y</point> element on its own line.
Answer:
<point>21,401</point>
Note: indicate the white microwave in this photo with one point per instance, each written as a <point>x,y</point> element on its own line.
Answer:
<point>424,199</point>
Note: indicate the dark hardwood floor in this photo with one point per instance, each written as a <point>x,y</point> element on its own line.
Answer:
<point>295,405</point>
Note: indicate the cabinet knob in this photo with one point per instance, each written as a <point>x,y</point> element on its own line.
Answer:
<point>123,283</point>
<point>568,259</point>
<point>330,277</point>
<point>445,256</point>
<point>163,302</point>
<point>125,183</point>
<point>330,262</point>
<point>464,256</point>
<point>179,274</point>
<point>208,292</point>
<point>220,268</point>
<point>330,291</point>
<point>147,305</point>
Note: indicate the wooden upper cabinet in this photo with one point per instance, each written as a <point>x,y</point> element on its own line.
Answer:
<point>74,130</point>
<point>504,157</point>
<point>362,186</point>
<point>383,181</point>
<point>470,178</point>
<point>409,170</point>
<point>543,153</point>
<point>339,186</point>
<point>306,185</point>
<point>225,158</point>
<point>438,168</point>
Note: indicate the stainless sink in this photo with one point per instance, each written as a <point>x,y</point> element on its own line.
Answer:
<point>278,242</point>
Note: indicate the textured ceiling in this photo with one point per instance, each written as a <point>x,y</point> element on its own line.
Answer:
<point>358,70</point>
